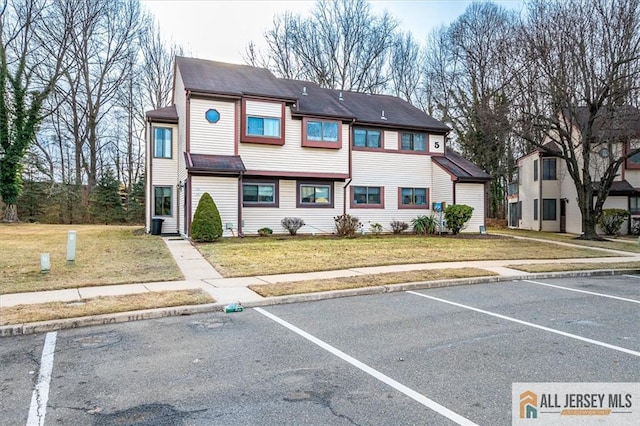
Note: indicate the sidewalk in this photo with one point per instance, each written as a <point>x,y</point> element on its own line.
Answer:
<point>199,274</point>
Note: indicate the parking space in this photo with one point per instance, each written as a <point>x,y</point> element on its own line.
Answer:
<point>441,356</point>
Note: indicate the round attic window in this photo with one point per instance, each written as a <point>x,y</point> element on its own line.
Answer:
<point>604,153</point>
<point>212,116</point>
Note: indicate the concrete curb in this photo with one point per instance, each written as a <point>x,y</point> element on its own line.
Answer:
<point>122,317</point>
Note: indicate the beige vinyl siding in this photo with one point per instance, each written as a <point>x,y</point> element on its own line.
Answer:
<point>633,177</point>
<point>293,157</point>
<point>391,140</point>
<point>224,192</point>
<point>391,171</point>
<point>165,173</point>
<point>528,190</point>
<point>442,186</point>
<point>317,220</point>
<point>263,109</point>
<point>568,191</point>
<point>436,140</point>
<point>472,194</point>
<point>212,138</point>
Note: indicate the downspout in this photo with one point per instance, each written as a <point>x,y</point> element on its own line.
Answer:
<point>148,177</point>
<point>240,234</point>
<point>187,147</point>
<point>344,198</point>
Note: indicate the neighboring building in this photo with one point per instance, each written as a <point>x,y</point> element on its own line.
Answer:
<point>544,197</point>
<point>267,148</point>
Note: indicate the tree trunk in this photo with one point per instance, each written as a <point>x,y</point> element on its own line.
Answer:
<point>11,214</point>
<point>589,224</point>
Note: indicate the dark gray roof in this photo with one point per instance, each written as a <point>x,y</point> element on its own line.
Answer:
<point>622,121</point>
<point>463,169</point>
<point>368,108</point>
<point>213,77</point>
<point>200,75</point>
<point>225,164</point>
<point>618,187</point>
<point>165,115</point>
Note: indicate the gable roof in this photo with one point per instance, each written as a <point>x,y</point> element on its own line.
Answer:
<point>617,122</point>
<point>212,77</point>
<point>461,168</point>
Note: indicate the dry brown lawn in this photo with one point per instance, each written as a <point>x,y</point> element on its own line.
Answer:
<point>563,267</point>
<point>277,255</point>
<point>104,255</point>
<point>101,305</point>
<point>343,283</point>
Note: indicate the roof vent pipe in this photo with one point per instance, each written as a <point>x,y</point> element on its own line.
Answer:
<point>340,98</point>
<point>382,117</point>
<point>304,91</point>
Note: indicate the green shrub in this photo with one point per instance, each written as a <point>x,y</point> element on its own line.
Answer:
<point>424,225</point>
<point>611,220</point>
<point>398,226</point>
<point>265,232</point>
<point>346,225</point>
<point>206,225</point>
<point>376,228</point>
<point>292,224</point>
<point>457,216</point>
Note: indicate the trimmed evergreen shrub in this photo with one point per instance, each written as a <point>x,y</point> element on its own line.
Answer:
<point>265,232</point>
<point>206,225</point>
<point>457,216</point>
<point>611,220</point>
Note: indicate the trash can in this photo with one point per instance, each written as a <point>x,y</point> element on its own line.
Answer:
<point>156,228</point>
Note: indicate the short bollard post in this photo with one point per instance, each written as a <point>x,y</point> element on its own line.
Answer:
<point>45,263</point>
<point>71,247</point>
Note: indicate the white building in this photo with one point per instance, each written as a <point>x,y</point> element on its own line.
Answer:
<point>267,148</point>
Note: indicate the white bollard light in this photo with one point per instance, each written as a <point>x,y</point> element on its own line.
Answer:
<point>45,263</point>
<point>71,247</point>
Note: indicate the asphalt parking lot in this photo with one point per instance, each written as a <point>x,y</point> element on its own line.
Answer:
<point>430,357</point>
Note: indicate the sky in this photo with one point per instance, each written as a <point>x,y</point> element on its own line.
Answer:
<point>220,30</point>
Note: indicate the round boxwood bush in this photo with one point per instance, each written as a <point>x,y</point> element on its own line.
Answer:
<point>206,225</point>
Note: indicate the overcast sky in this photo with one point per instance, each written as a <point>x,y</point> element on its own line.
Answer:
<point>221,29</point>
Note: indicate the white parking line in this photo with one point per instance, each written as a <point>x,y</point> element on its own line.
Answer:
<point>440,409</point>
<point>529,324</point>
<point>632,276</point>
<point>583,291</point>
<point>40,395</point>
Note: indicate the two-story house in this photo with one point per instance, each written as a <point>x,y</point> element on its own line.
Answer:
<point>267,148</point>
<point>543,197</point>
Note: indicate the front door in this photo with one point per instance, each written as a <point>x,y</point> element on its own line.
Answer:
<point>563,215</point>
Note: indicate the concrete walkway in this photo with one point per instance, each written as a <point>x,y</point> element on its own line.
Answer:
<point>199,274</point>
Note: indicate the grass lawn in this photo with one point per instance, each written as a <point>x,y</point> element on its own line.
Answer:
<point>630,244</point>
<point>343,283</point>
<point>563,267</point>
<point>249,256</point>
<point>104,255</point>
<point>101,305</point>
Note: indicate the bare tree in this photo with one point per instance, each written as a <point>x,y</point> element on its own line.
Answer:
<point>406,67</point>
<point>342,45</point>
<point>585,57</point>
<point>103,38</point>
<point>469,72</point>
<point>33,42</point>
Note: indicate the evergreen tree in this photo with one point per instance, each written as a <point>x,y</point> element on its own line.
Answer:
<point>106,204</point>
<point>135,203</point>
<point>206,225</point>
